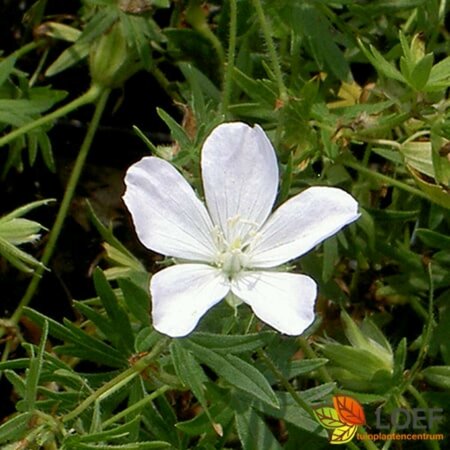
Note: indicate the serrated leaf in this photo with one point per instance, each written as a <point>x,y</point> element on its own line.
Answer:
<point>349,410</point>
<point>343,434</point>
<point>328,417</point>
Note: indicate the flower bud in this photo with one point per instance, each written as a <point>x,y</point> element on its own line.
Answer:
<point>111,60</point>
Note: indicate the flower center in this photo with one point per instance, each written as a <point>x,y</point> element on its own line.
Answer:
<point>231,257</point>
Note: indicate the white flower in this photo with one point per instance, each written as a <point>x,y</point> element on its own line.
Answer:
<point>232,244</point>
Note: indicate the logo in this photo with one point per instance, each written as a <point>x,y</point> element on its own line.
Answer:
<point>343,420</point>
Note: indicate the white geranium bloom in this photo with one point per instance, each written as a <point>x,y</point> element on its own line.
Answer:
<point>232,244</point>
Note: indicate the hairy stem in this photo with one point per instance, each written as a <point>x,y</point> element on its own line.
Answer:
<point>285,383</point>
<point>271,47</point>
<point>227,83</point>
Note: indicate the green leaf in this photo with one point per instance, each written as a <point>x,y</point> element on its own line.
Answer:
<point>438,376</point>
<point>433,239</point>
<point>253,432</point>
<point>313,26</point>
<point>421,72</point>
<point>6,68</point>
<point>17,382</point>
<point>232,343</point>
<point>123,336</point>
<point>34,372</point>
<point>91,348</point>
<point>18,258</point>
<point>236,372</point>
<point>190,373</point>
<point>101,321</point>
<point>61,31</point>
<point>290,411</point>
<point>106,435</point>
<point>400,360</point>
<point>305,366</point>
<point>136,299</point>
<point>132,446</point>
<point>356,360</point>
<point>55,329</point>
<point>21,211</point>
<point>262,91</point>
<point>440,72</point>
<point>381,64</point>
<point>330,257</point>
<point>176,130</point>
<point>436,193</point>
<point>45,146</point>
<point>199,82</point>
<point>146,339</point>
<point>14,429</point>
<point>69,57</point>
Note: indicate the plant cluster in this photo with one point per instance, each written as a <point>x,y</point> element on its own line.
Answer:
<point>353,95</point>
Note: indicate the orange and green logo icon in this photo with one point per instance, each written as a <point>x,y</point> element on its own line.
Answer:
<point>341,421</point>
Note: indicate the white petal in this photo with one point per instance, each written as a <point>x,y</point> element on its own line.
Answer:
<point>240,178</point>
<point>300,224</point>
<point>182,294</point>
<point>285,301</point>
<point>168,216</point>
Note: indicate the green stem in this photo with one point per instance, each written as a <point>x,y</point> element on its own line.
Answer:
<point>311,354</point>
<point>367,442</point>
<point>228,78</point>
<point>388,180</point>
<point>89,97</point>
<point>68,195</point>
<point>426,337</point>
<point>271,47</point>
<point>25,49</point>
<point>136,406</point>
<point>434,445</point>
<point>121,379</point>
<point>285,383</point>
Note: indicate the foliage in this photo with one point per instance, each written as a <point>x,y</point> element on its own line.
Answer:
<point>352,94</point>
